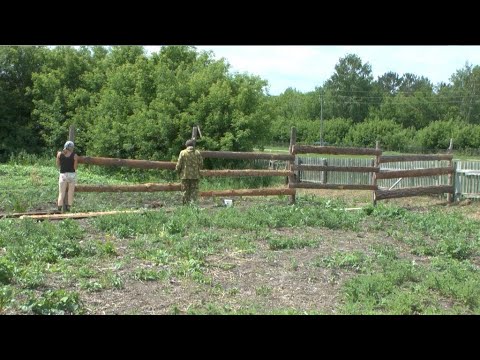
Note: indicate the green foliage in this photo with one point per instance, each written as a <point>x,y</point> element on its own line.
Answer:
<point>347,88</point>
<point>6,296</point>
<point>29,241</point>
<point>336,130</point>
<point>437,135</point>
<point>390,135</point>
<point>356,261</point>
<point>148,274</point>
<point>290,243</point>
<point>17,131</point>
<point>55,302</point>
<point>6,271</point>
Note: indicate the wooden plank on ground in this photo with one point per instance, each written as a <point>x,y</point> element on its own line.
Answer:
<point>78,215</point>
<point>17,215</point>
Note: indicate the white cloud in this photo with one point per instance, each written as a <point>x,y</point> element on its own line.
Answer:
<point>305,67</point>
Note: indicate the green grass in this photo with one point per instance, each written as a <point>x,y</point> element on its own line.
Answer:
<point>52,267</point>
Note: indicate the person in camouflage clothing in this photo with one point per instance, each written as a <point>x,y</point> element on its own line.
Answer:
<point>189,164</point>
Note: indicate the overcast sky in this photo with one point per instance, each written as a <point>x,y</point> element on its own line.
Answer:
<point>305,67</point>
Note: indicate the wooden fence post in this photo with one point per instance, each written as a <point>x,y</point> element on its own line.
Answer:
<point>374,175</point>
<point>194,134</point>
<point>71,133</point>
<point>450,197</point>
<point>291,178</point>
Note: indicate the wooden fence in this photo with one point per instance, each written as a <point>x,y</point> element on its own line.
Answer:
<point>167,165</point>
<point>294,166</point>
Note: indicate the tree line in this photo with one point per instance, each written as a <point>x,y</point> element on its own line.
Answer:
<point>128,104</point>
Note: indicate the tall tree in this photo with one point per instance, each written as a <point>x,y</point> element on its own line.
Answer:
<point>466,91</point>
<point>17,130</point>
<point>349,89</point>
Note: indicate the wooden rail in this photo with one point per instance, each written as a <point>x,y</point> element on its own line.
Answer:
<point>245,172</point>
<point>248,192</point>
<point>414,173</point>
<point>336,168</point>
<point>416,191</point>
<point>245,155</point>
<point>304,185</point>
<point>403,158</point>
<point>128,188</point>
<point>139,164</point>
<point>310,149</point>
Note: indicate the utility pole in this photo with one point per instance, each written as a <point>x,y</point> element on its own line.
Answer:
<point>321,118</point>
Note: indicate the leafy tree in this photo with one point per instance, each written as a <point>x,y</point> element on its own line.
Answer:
<point>389,83</point>
<point>390,135</point>
<point>466,90</point>
<point>55,93</point>
<point>336,130</point>
<point>147,109</point>
<point>348,92</point>
<point>411,83</point>
<point>436,135</point>
<point>17,130</point>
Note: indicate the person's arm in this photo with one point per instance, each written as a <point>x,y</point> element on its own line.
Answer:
<point>178,167</point>
<point>57,161</point>
<point>75,162</point>
<point>200,161</point>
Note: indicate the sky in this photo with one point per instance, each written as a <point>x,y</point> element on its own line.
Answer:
<point>305,67</point>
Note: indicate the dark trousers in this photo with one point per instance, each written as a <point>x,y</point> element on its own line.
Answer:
<point>189,190</point>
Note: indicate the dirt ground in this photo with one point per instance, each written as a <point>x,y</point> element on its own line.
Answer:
<point>265,280</point>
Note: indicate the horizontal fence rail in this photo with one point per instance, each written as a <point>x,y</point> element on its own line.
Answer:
<point>399,158</point>
<point>394,174</point>
<point>359,169</point>
<point>245,155</point>
<point>244,172</point>
<point>417,191</point>
<point>139,164</point>
<point>128,188</point>
<point>331,186</point>
<point>310,149</point>
<point>177,187</point>
<point>249,192</point>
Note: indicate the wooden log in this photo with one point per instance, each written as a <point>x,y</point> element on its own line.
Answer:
<point>376,163</point>
<point>304,185</point>
<point>248,192</point>
<point>414,173</point>
<point>245,155</point>
<point>450,180</point>
<point>128,188</point>
<point>292,179</point>
<point>245,172</point>
<point>17,215</point>
<point>310,149</point>
<point>140,164</point>
<point>403,158</point>
<point>336,168</point>
<point>78,215</point>
<point>416,191</point>
<point>71,133</point>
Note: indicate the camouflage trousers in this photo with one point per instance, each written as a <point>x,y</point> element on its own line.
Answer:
<point>189,190</point>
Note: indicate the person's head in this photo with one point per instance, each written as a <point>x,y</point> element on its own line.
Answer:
<point>190,143</point>
<point>69,145</point>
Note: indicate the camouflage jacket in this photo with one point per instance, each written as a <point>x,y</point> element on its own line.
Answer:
<point>189,163</point>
